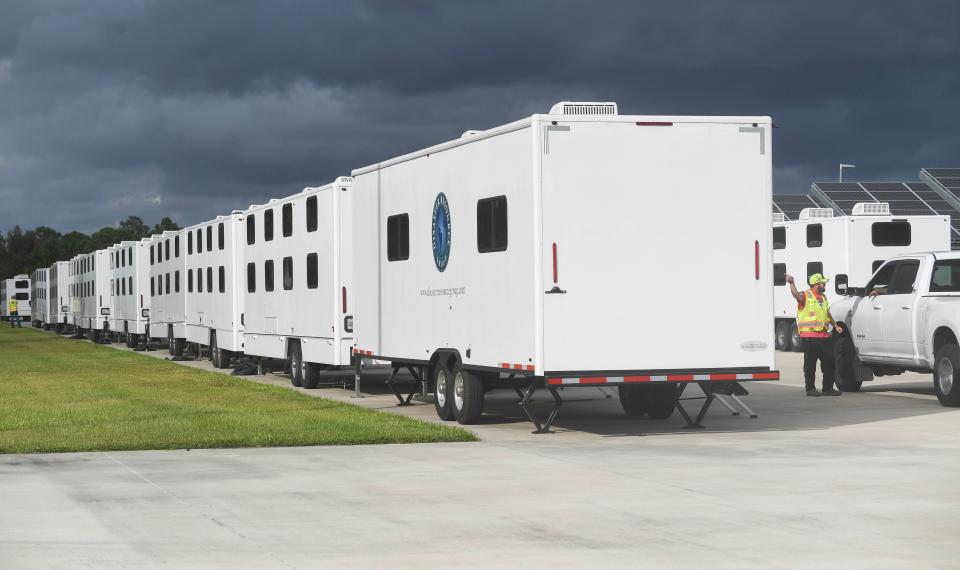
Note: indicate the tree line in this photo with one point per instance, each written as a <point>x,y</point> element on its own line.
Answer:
<point>22,251</point>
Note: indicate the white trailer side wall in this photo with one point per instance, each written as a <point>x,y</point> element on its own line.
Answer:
<point>40,294</point>
<point>19,288</point>
<point>218,306</point>
<point>59,275</point>
<point>94,290</point>
<point>131,286</point>
<point>167,289</point>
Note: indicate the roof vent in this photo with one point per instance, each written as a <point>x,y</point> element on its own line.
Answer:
<point>584,108</point>
<point>816,213</point>
<point>778,217</point>
<point>871,209</point>
<point>469,133</point>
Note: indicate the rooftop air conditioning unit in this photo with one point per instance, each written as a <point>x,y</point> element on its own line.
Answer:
<point>584,108</point>
<point>778,217</point>
<point>816,213</point>
<point>871,209</point>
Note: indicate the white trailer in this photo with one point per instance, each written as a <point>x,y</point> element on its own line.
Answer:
<point>130,275</point>
<point>60,281</point>
<point>297,277</point>
<point>73,318</point>
<point>576,248</point>
<point>40,297</point>
<point>845,249</point>
<point>93,296</point>
<point>167,299</point>
<point>16,288</point>
<point>214,301</point>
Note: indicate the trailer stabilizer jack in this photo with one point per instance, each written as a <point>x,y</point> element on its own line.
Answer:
<point>417,381</point>
<point>713,391</point>
<point>524,404</point>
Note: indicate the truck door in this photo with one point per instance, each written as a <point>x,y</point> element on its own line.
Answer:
<point>867,323</point>
<point>897,314</point>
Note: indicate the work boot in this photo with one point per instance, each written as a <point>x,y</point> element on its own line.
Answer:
<point>831,392</point>
<point>813,393</point>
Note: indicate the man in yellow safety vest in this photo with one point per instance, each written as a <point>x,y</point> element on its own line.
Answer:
<point>813,323</point>
<point>12,313</point>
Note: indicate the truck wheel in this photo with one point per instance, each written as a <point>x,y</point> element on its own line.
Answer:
<point>662,401</point>
<point>851,373</point>
<point>443,391</point>
<point>310,375</point>
<point>945,380</point>
<point>633,399</point>
<point>782,336</point>
<point>796,341</point>
<point>467,396</point>
<point>296,365</point>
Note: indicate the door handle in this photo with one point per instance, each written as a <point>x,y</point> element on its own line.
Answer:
<point>905,307</point>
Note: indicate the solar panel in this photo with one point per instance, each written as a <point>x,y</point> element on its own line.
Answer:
<point>943,189</point>
<point>790,204</point>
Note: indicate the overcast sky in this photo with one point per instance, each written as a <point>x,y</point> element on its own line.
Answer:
<point>191,108</point>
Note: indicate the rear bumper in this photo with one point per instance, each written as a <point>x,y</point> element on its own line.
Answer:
<point>567,379</point>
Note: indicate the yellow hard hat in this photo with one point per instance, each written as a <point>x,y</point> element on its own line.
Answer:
<point>818,278</point>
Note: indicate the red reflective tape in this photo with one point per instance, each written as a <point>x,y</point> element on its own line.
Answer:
<point>504,365</point>
<point>775,375</point>
<point>593,380</point>
<point>531,367</point>
<point>554,263</point>
<point>554,381</point>
<point>636,378</point>
<point>680,378</point>
<point>518,366</point>
<point>723,376</point>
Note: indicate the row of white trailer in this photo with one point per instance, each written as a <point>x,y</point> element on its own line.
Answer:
<point>575,248</point>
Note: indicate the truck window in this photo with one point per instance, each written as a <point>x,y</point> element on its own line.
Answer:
<point>286,220</point>
<point>313,278</point>
<point>779,274</point>
<point>398,237</point>
<point>904,277</point>
<point>883,277</point>
<point>287,273</point>
<point>779,238</point>
<point>946,276</point>
<point>251,277</point>
<point>492,224</point>
<point>268,225</point>
<point>814,267</point>
<point>268,274</point>
<point>876,265</point>
<point>312,214</point>
<point>21,284</point>
<point>251,230</point>
<point>23,296</point>
<point>814,235</point>
<point>891,233</point>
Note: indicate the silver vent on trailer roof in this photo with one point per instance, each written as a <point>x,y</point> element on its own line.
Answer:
<point>778,217</point>
<point>584,108</point>
<point>816,213</point>
<point>871,209</point>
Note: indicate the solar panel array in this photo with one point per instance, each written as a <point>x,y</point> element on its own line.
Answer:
<point>946,180</point>
<point>790,204</point>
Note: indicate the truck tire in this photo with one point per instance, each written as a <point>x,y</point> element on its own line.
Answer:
<point>851,373</point>
<point>782,336</point>
<point>945,375</point>
<point>467,396</point>
<point>443,391</point>
<point>632,399</point>
<point>796,342</point>
<point>296,365</point>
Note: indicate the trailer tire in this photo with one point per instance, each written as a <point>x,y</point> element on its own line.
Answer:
<point>467,396</point>
<point>131,340</point>
<point>662,400</point>
<point>296,365</point>
<point>782,336</point>
<point>796,341</point>
<point>851,373</point>
<point>175,348</point>
<point>945,375</point>
<point>310,375</point>
<point>443,391</point>
<point>94,335</point>
<point>633,399</point>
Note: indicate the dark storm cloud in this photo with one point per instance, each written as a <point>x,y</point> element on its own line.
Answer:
<point>191,109</point>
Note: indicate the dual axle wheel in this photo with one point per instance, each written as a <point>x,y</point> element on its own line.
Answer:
<point>458,393</point>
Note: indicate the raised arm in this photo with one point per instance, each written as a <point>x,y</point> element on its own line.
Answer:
<point>793,288</point>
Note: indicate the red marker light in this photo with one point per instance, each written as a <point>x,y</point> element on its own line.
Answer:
<point>554,263</point>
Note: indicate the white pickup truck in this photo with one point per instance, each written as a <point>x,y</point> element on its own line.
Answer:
<point>907,318</point>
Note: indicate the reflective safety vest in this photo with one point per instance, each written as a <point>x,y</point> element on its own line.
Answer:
<point>12,306</point>
<point>814,317</point>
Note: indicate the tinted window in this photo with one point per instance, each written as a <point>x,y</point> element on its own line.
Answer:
<point>890,233</point>
<point>151,256</point>
<point>23,296</point>
<point>779,237</point>
<point>905,277</point>
<point>287,273</point>
<point>166,281</point>
<point>876,265</point>
<point>209,238</point>
<point>779,274</point>
<point>398,237</point>
<point>21,284</point>
<point>189,281</point>
<point>199,280</point>
<point>287,220</point>
<point>492,224</point>
<point>189,243</point>
<point>883,277</point>
<point>209,279</point>
<point>153,291</point>
<point>220,236</point>
<point>946,276</point>
<point>123,286</point>
<point>221,282</point>
<point>176,281</point>
<point>159,252</point>
<point>130,279</point>
<point>176,246</point>
<point>268,274</point>
<point>251,277</point>
<point>166,249</point>
<point>313,277</point>
<point>251,230</point>
<point>199,240</point>
<point>840,283</point>
<point>814,267</point>
<point>814,235</point>
<point>312,214</point>
<point>268,225</point>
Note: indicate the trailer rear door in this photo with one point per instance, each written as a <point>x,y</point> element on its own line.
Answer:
<point>656,250</point>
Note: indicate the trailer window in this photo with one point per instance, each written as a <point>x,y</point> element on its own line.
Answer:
<point>130,256</point>
<point>876,265</point>
<point>123,258</point>
<point>176,281</point>
<point>251,277</point>
<point>166,250</point>
<point>779,274</point>
<point>398,237</point>
<point>779,237</point>
<point>312,214</point>
<point>814,235</point>
<point>313,277</point>
<point>814,267</point>
<point>221,280</point>
<point>492,224</point>
<point>123,286</point>
<point>189,281</point>
<point>112,293</point>
<point>268,274</point>
<point>153,292</point>
<point>946,276</point>
<point>166,280</point>
<point>268,225</point>
<point>199,279</point>
<point>287,220</point>
<point>189,243</point>
<point>176,246</point>
<point>209,238</point>
<point>251,229</point>
<point>199,240</point>
<point>220,236</point>
<point>21,284</point>
<point>23,296</point>
<point>287,273</point>
<point>209,279</point>
<point>130,279</point>
<point>891,233</point>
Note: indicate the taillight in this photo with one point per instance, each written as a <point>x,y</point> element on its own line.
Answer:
<point>141,301</point>
<point>343,299</point>
<point>756,260</point>
<point>554,263</point>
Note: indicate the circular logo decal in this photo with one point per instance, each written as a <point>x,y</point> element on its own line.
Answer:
<point>441,231</point>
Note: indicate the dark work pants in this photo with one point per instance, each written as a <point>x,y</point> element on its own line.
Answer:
<point>822,349</point>
<point>15,320</point>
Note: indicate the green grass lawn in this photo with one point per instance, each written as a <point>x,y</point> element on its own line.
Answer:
<point>58,394</point>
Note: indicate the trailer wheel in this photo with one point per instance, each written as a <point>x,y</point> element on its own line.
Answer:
<point>467,396</point>
<point>176,347</point>
<point>851,373</point>
<point>296,365</point>
<point>796,341</point>
<point>782,336</point>
<point>310,378</point>
<point>94,335</point>
<point>945,375</point>
<point>443,391</point>
<point>224,357</point>
<point>663,400</point>
<point>131,341</point>
<point>633,399</point>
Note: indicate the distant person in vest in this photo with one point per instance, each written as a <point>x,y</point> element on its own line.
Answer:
<point>12,313</point>
<point>813,323</point>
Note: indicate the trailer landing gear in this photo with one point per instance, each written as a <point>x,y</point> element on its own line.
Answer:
<point>417,382</point>
<point>712,391</point>
<point>524,404</point>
